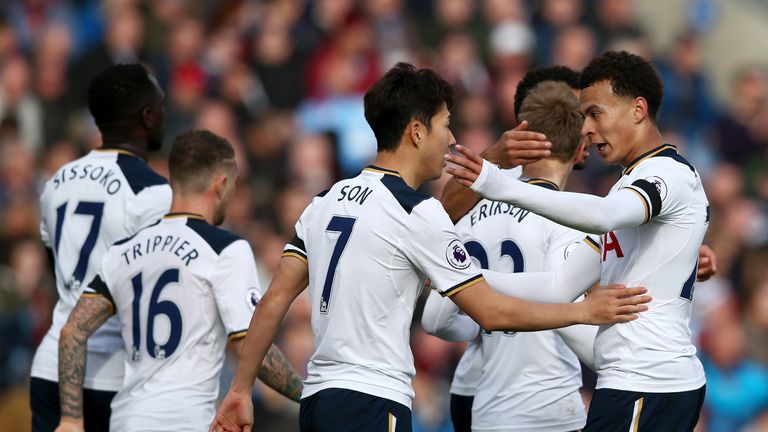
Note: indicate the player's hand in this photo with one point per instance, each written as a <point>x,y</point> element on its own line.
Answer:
<point>69,424</point>
<point>615,303</point>
<point>518,146</point>
<point>469,166</point>
<point>234,415</point>
<point>707,263</point>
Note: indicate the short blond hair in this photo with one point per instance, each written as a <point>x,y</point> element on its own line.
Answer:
<point>552,109</point>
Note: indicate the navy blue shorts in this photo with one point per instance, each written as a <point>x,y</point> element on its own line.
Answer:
<point>461,412</point>
<point>46,410</point>
<point>621,411</point>
<point>341,410</point>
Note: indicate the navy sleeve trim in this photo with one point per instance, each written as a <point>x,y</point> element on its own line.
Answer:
<point>298,243</point>
<point>138,173</point>
<point>98,285</point>
<point>217,238</point>
<point>653,195</point>
<point>406,196</point>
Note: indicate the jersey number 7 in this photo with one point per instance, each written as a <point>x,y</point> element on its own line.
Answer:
<point>342,225</point>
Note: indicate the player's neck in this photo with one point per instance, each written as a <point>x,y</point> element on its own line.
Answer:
<point>397,161</point>
<point>644,143</point>
<point>193,203</point>
<point>124,142</point>
<point>550,169</point>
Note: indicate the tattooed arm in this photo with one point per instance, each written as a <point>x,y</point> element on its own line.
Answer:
<point>277,373</point>
<point>89,314</point>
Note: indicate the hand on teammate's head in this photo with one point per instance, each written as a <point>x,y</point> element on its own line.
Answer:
<point>517,147</point>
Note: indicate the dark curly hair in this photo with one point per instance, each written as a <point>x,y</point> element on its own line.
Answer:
<point>404,93</point>
<point>561,74</point>
<point>120,92</point>
<point>630,76</point>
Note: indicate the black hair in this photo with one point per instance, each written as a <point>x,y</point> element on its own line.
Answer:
<point>629,75</point>
<point>195,155</point>
<point>562,74</point>
<point>403,94</point>
<point>119,93</point>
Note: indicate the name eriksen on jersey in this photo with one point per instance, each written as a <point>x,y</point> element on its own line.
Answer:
<point>356,193</point>
<point>495,208</point>
<point>170,244</point>
<point>105,179</point>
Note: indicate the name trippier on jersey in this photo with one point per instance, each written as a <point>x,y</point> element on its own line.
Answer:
<point>160,243</point>
<point>494,208</point>
<point>107,178</point>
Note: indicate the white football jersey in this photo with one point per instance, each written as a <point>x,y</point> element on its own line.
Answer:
<point>371,241</point>
<point>530,380</point>
<point>470,365</point>
<point>179,288</point>
<point>89,204</point>
<point>655,353</point>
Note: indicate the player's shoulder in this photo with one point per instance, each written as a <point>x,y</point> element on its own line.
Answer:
<point>664,159</point>
<point>137,172</point>
<point>125,240</point>
<point>217,238</point>
<point>406,197</point>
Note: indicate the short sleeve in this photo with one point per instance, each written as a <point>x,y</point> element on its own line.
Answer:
<point>665,186</point>
<point>148,206</point>
<point>45,234</point>
<point>432,245</point>
<point>562,241</point>
<point>99,285</point>
<point>296,247</point>
<point>235,286</point>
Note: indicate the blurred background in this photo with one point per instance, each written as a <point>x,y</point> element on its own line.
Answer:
<point>283,81</point>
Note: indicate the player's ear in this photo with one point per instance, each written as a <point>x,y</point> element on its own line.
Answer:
<point>415,131</point>
<point>640,109</point>
<point>220,184</point>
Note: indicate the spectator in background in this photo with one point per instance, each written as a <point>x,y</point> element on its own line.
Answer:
<point>551,18</point>
<point>733,137</point>
<point>688,106</point>
<point>19,104</point>
<point>737,387</point>
<point>615,21</point>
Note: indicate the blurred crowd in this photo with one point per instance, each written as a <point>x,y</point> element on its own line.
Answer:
<point>283,81</point>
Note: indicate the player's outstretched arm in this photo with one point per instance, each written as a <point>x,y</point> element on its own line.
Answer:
<point>515,147</point>
<point>441,318</point>
<point>707,263</point>
<point>236,411</point>
<point>88,315</point>
<point>606,305</point>
<point>581,340</point>
<point>620,209</point>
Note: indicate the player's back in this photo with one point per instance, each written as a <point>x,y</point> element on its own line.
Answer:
<point>179,289</point>
<point>86,206</point>
<point>529,380</point>
<point>655,353</point>
<point>364,249</point>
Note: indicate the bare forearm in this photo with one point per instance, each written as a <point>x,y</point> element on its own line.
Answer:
<point>278,374</point>
<point>261,332</point>
<point>72,361</point>
<point>519,315</point>
<point>458,200</point>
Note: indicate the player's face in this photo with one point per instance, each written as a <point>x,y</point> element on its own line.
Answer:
<point>437,143</point>
<point>608,122</point>
<point>155,135</point>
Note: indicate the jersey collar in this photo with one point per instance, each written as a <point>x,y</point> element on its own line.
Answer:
<point>379,170</point>
<point>649,154</point>
<point>183,215</point>
<point>543,183</point>
<point>124,148</point>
